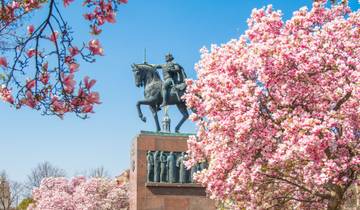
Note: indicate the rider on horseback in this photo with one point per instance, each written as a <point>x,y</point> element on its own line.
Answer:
<point>156,91</point>
<point>174,77</point>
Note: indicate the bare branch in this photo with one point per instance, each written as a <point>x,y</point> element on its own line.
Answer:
<point>43,170</point>
<point>342,101</point>
<point>99,172</point>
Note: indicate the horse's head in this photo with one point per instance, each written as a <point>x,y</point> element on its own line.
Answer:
<point>138,74</point>
<point>141,71</point>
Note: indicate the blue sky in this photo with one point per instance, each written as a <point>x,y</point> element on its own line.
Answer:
<point>178,26</point>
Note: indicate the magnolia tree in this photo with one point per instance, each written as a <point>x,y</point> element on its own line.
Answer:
<point>278,111</point>
<point>79,193</point>
<point>38,63</point>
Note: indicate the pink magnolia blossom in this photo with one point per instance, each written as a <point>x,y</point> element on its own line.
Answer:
<point>69,83</point>
<point>31,52</point>
<point>278,111</point>
<point>30,84</point>
<point>3,62</point>
<point>69,59</point>
<point>30,29</point>
<point>80,193</point>
<point>89,83</point>
<point>95,30</point>
<point>54,36</point>
<point>93,98</point>
<point>74,51</point>
<point>89,16</point>
<point>73,67</point>
<point>95,47</point>
<point>29,100</point>
<point>5,95</point>
<point>15,5</point>
<point>88,108</point>
<point>67,2</point>
<point>58,106</point>
<point>45,78</point>
<point>111,17</point>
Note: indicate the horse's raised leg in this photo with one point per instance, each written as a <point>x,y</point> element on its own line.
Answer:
<point>154,111</point>
<point>182,108</point>
<point>138,106</point>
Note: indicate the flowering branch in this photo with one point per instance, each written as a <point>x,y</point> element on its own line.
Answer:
<point>43,78</point>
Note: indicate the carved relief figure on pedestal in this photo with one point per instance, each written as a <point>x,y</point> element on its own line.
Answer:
<point>156,166</point>
<point>163,167</point>
<point>182,169</point>
<point>171,168</point>
<point>150,166</point>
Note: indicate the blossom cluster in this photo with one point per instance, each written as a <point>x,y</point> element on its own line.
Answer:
<point>103,12</point>
<point>278,110</point>
<point>32,78</point>
<point>79,193</point>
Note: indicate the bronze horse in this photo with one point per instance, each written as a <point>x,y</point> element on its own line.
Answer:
<point>147,76</point>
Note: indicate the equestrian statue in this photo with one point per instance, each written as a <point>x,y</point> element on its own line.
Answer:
<point>159,93</point>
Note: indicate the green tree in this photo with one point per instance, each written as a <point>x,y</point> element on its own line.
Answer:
<point>25,203</point>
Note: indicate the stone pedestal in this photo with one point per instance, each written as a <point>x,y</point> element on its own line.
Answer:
<point>162,196</point>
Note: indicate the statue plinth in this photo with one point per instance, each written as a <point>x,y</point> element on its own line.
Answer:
<point>145,194</point>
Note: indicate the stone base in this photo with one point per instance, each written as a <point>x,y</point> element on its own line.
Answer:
<point>162,196</point>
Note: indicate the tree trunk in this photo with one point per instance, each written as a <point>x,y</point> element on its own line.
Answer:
<point>333,205</point>
<point>336,199</point>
